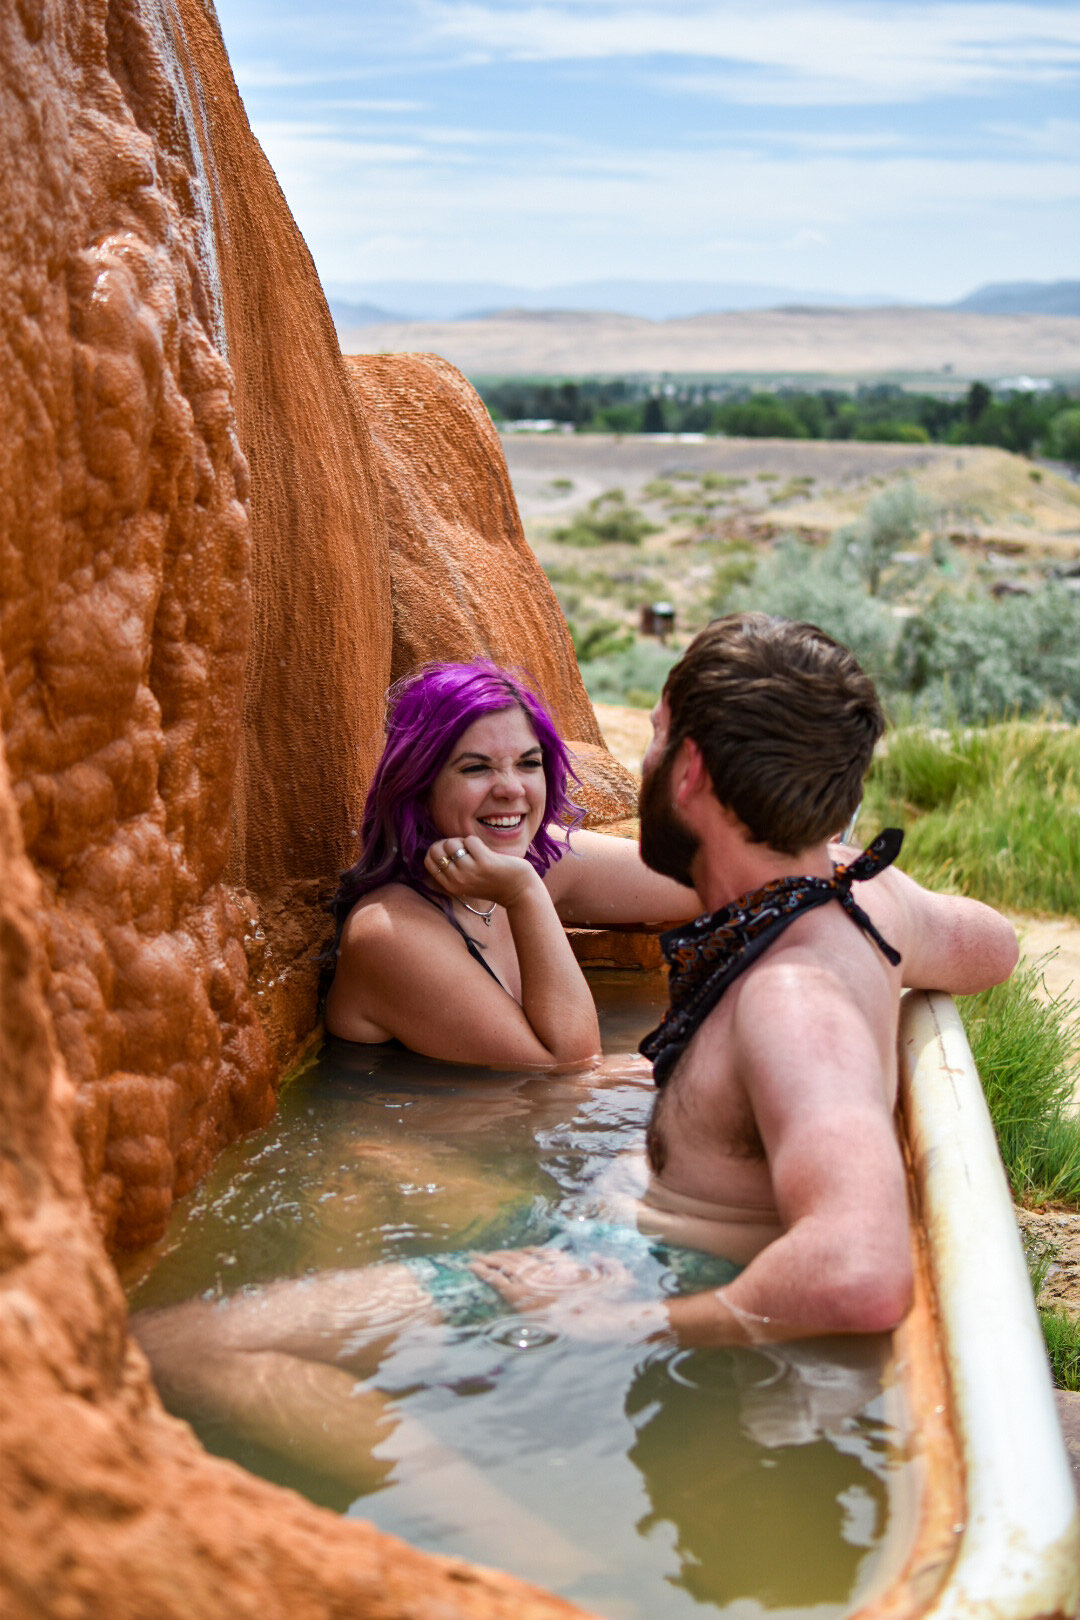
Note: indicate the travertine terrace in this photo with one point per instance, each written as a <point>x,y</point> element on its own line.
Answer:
<point>218,544</point>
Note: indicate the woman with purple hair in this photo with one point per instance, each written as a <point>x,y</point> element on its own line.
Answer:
<point>450,925</point>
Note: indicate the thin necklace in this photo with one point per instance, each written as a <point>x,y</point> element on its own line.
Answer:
<point>484,916</point>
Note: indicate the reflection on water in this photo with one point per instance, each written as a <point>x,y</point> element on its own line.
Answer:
<point>637,1480</point>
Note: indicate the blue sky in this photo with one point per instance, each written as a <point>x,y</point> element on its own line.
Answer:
<point>886,146</point>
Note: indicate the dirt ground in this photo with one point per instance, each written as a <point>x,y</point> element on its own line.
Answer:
<point>1059,1230</point>
<point>557,473</point>
<point>626,732</point>
<point>984,497</point>
<point>710,501</point>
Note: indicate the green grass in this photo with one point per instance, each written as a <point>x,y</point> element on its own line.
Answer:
<point>1040,1256</point>
<point>635,676</point>
<point>1025,1050</point>
<point>1060,1328</point>
<point>607,520</point>
<point>1061,1331</point>
<point>993,812</point>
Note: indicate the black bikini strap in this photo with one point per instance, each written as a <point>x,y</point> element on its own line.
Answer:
<point>707,955</point>
<point>475,950</point>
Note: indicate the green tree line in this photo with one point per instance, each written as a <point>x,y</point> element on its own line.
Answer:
<point>1045,421</point>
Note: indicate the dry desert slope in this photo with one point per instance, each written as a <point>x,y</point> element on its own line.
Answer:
<point>852,342</point>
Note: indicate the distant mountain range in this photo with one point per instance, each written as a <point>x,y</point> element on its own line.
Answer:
<point>1024,298</point>
<point>377,303</point>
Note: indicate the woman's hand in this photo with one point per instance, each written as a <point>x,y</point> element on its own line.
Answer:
<point>466,867</point>
<point>555,999</point>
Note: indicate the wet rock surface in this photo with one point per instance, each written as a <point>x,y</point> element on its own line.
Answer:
<point>464,581</point>
<point>108,1507</point>
<point>196,633</point>
<point>126,607</point>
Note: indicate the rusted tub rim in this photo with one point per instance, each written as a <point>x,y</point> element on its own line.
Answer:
<point>1018,1555</point>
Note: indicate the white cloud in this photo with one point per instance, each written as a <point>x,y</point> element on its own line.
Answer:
<point>1058,137</point>
<point>318,151</point>
<point>824,52</point>
<point>362,104</point>
<point>866,141</point>
<point>580,212</point>
<point>264,75</point>
<point>393,171</point>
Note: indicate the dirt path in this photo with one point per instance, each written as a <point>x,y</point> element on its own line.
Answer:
<point>1060,936</point>
<point>626,732</point>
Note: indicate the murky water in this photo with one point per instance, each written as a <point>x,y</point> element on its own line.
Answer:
<point>637,1480</point>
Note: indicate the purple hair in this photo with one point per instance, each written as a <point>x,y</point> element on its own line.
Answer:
<point>426,713</point>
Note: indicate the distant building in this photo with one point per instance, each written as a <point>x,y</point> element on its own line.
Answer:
<point>657,619</point>
<point>536,424</point>
<point>1023,385</point>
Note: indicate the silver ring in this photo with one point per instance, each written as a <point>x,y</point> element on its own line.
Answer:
<point>458,853</point>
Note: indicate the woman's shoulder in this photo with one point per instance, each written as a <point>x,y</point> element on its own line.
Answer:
<point>382,911</point>
<point>385,934</point>
<point>378,949</point>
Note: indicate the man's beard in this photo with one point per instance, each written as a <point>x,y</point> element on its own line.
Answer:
<point>667,844</point>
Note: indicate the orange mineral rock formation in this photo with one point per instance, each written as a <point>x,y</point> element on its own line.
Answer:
<point>194,658</point>
<point>319,652</point>
<point>464,579</point>
<point>108,1508</point>
<point>126,606</point>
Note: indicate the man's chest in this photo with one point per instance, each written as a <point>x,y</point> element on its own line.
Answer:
<point>703,1111</point>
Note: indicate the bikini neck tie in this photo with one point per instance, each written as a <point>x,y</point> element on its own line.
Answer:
<point>709,954</point>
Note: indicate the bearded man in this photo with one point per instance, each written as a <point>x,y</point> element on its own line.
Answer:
<point>772,1139</point>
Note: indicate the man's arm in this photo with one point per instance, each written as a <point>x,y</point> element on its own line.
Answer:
<point>821,1101</point>
<point>953,944</point>
<point>814,1077</point>
<point>949,942</point>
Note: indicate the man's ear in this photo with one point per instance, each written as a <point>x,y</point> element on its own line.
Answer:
<point>689,775</point>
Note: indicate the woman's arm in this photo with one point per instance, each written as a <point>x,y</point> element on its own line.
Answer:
<point>404,971</point>
<point>603,880</point>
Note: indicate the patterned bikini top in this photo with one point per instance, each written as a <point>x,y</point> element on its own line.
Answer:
<point>708,955</point>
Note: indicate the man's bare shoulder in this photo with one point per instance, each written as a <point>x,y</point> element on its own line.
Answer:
<point>947,941</point>
<point>803,1036</point>
<point>790,991</point>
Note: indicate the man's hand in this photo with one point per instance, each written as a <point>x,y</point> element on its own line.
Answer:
<point>582,1299</point>
<point>531,1278</point>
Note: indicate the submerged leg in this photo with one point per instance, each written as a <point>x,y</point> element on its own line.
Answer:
<point>285,1366</point>
<point>346,1318</point>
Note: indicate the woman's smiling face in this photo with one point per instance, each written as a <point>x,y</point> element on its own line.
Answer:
<point>493,784</point>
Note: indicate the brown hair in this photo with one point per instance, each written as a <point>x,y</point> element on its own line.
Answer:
<point>786,722</point>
